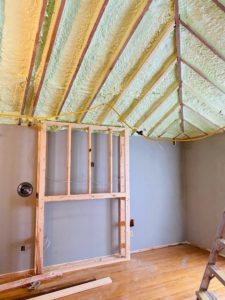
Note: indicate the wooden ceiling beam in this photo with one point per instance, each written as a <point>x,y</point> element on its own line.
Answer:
<point>202,40</point>
<point>195,127</point>
<point>201,75</point>
<point>157,78</point>
<point>138,67</point>
<point>171,89</point>
<point>52,41</point>
<point>168,127</point>
<point>166,115</point>
<point>180,97</point>
<point>88,104</point>
<point>220,5</point>
<point>83,53</point>
<point>40,23</point>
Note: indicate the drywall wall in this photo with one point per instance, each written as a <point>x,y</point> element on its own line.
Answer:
<point>204,188</point>
<point>77,230</point>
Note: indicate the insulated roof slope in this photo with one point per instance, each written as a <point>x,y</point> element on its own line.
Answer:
<point>157,66</point>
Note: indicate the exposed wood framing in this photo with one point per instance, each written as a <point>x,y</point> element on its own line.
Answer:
<point>168,127</point>
<point>53,37</point>
<point>201,75</point>
<point>120,50</point>
<point>80,197</point>
<point>104,5</point>
<point>202,40</point>
<point>41,20</point>
<point>220,5</point>
<point>180,97</point>
<point>152,84</point>
<point>69,136</point>
<point>127,189</point>
<point>195,127</point>
<point>110,162</point>
<point>166,115</point>
<point>138,67</point>
<point>89,160</point>
<point>156,105</point>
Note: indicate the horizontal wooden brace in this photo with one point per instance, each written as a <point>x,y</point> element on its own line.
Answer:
<point>55,198</point>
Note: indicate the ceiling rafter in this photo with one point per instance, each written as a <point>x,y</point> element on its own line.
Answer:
<point>157,79</point>
<point>183,134</point>
<point>171,89</point>
<point>219,4</point>
<point>138,67</point>
<point>180,93</point>
<point>202,40</point>
<point>52,41</point>
<point>89,102</point>
<point>83,53</point>
<point>201,75</point>
<point>165,116</point>
<point>32,62</point>
<point>168,127</point>
<point>195,127</point>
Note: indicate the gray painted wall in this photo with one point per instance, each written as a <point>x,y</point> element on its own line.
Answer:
<point>78,230</point>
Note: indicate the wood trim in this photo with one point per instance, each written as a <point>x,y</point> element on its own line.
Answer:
<point>104,5</point>
<point>89,160</point>
<point>79,197</point>
<point>138,67</point>
<point>110,161</point>
<point>180,91</point>
<point>118,54</point>
<point>69,137</point>
<point>41,20</point>
<point>157,79</point>
<point>53,37</point>
<point>220,5</point>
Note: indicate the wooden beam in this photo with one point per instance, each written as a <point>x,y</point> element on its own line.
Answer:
<point>119,51</point>
<point>156,80</point>
<point>89,159</point>
<point>138,67</point>
<point>83,53</point>
<point>220,5</point>
<point>195,127</point>
<point>69,137</point>
<point>79,197</point>
<point>41,20</point>
<point>39,229</point>
<point>202,40</point>
<point>166,115</point>
<point>52,41</point>
<point>110,161</point>
<point>168,127</point>
<point>201,75</point>
<point>127,188</point>
<point>75,289</point>
<point>29,280</point>
<point>177,22</point>
<point>171,89</point>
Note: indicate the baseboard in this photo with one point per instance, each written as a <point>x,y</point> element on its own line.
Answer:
<point>160,247</point>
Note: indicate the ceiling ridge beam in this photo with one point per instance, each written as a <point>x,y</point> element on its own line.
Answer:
<point>168,127</point>
<point>164,117</point>
<point>156,104</point>
<point>131,76</point>
<point>88,104</point>
<point>32,62</point>
<point>194,126</point>
<point>202,40</point>
<point>83,53</point>
<point>52,41</point>
<point>178,49</point>
<point>157,78</point>
<point>219,4</point>
<point>201,75</point>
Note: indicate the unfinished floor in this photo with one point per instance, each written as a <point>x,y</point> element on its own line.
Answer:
<point>171,273</point>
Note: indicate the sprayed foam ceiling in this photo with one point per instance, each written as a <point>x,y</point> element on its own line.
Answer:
<point>157,65</point>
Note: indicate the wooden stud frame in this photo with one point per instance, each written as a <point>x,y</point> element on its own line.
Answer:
<point>122,195</point>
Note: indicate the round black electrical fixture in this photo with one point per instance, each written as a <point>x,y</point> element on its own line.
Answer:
<point>25,189</point>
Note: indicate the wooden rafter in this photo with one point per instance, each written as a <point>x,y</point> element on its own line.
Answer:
<point>53,37</point>
<point>89,101</point>
<point>194,126</point>
<point>220,5</point>
<point>156,105</point>
<point>131,76</point>
<point>166,115</point>
<point>32,62</point>
<point>202,40</point>
<point>168,127</point>
<point>201,75</point>
<point>85,49</point>
<point>183,134</point>
<point>177,21</point>
<point>147,89</point>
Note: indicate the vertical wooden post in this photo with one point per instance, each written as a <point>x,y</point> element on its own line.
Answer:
<point>127,189</point>
<point>110,162</point>
<point>69,137</point>
<point>89,160</point>
<point>122,203</point>
<point>39,229</point>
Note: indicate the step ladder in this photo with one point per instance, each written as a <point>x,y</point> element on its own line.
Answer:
<point>211,270</point>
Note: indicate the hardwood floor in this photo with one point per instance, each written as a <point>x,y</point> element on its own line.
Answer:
<point>168,273</point>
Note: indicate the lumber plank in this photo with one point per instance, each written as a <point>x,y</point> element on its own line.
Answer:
<point>69,137</point>
<point>89,160</point>
<point>110,161</point>
<point>84,197</point>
